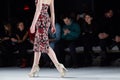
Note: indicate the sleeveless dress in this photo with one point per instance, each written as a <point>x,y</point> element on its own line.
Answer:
<point>41,41</point>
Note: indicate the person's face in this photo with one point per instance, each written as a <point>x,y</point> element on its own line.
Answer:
<point>88,18</point>
<point>21,26</point>
<point>67,21</point>
<point>109,13</point>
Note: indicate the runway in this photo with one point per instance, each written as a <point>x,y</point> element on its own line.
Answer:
<point>84,73</point>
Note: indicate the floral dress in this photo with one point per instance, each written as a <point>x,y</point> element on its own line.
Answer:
<point>41,41</point>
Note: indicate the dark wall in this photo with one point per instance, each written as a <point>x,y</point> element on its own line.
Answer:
<point>14,8</point>
<point>73,5</point>
<point>3,10</point>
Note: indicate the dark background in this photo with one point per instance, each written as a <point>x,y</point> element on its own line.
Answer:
<point>11,9</point>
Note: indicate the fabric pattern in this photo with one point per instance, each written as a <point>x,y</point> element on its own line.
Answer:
<point>41,42</point>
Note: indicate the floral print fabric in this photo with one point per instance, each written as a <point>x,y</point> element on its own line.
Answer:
<point>41,42</point>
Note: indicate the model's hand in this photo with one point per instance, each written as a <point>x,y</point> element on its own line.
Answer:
<point>53,30</point>
<point>32,29</point>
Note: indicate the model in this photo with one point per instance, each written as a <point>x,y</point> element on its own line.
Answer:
<point>40,25</point>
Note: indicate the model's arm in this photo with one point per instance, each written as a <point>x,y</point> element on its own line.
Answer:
<point>52,16</point>
<point>36,15</point>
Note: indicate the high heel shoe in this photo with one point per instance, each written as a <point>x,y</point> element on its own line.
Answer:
<point>62,69</point>
<point>34,72</point>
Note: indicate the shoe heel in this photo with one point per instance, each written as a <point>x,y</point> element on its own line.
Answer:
<point>63,67</point>
<point>35,72</point>
<point>31,74</point>
<point>63,70</point>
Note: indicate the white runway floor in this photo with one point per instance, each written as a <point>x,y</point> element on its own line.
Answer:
<point>84,73</point>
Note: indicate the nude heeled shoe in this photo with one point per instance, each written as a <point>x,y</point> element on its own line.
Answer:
<point>62,69</point>
<point>34,72</point>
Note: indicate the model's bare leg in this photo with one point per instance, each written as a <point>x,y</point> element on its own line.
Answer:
<point>52,56</point>
<point>35,66</point>
<point>37,56</point>
<point>58,65</point>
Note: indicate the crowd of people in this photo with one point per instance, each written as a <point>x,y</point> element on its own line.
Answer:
<point>71,32</point>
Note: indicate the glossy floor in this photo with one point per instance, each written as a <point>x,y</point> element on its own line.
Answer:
<point>84,73</point>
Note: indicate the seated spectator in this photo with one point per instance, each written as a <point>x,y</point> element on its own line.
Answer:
<point>89,32</point>
<point>70,32</point>
<point>116,32</point>
<point>22,36</point>
<point>105,33</point>
<point>8,39</point>
<point>88,38</point>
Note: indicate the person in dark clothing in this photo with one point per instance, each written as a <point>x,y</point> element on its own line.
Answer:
<point>89,32</point>
<point>8,39</point>
<point>22,36</point>
<point>105,33</point>
<point>116,32</point>
<point>88,38</point>
<point>1,30</point>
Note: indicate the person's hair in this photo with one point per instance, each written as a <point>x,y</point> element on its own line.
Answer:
<point>89,13</point>
<point>107,10</point>
<point>66,15</point>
